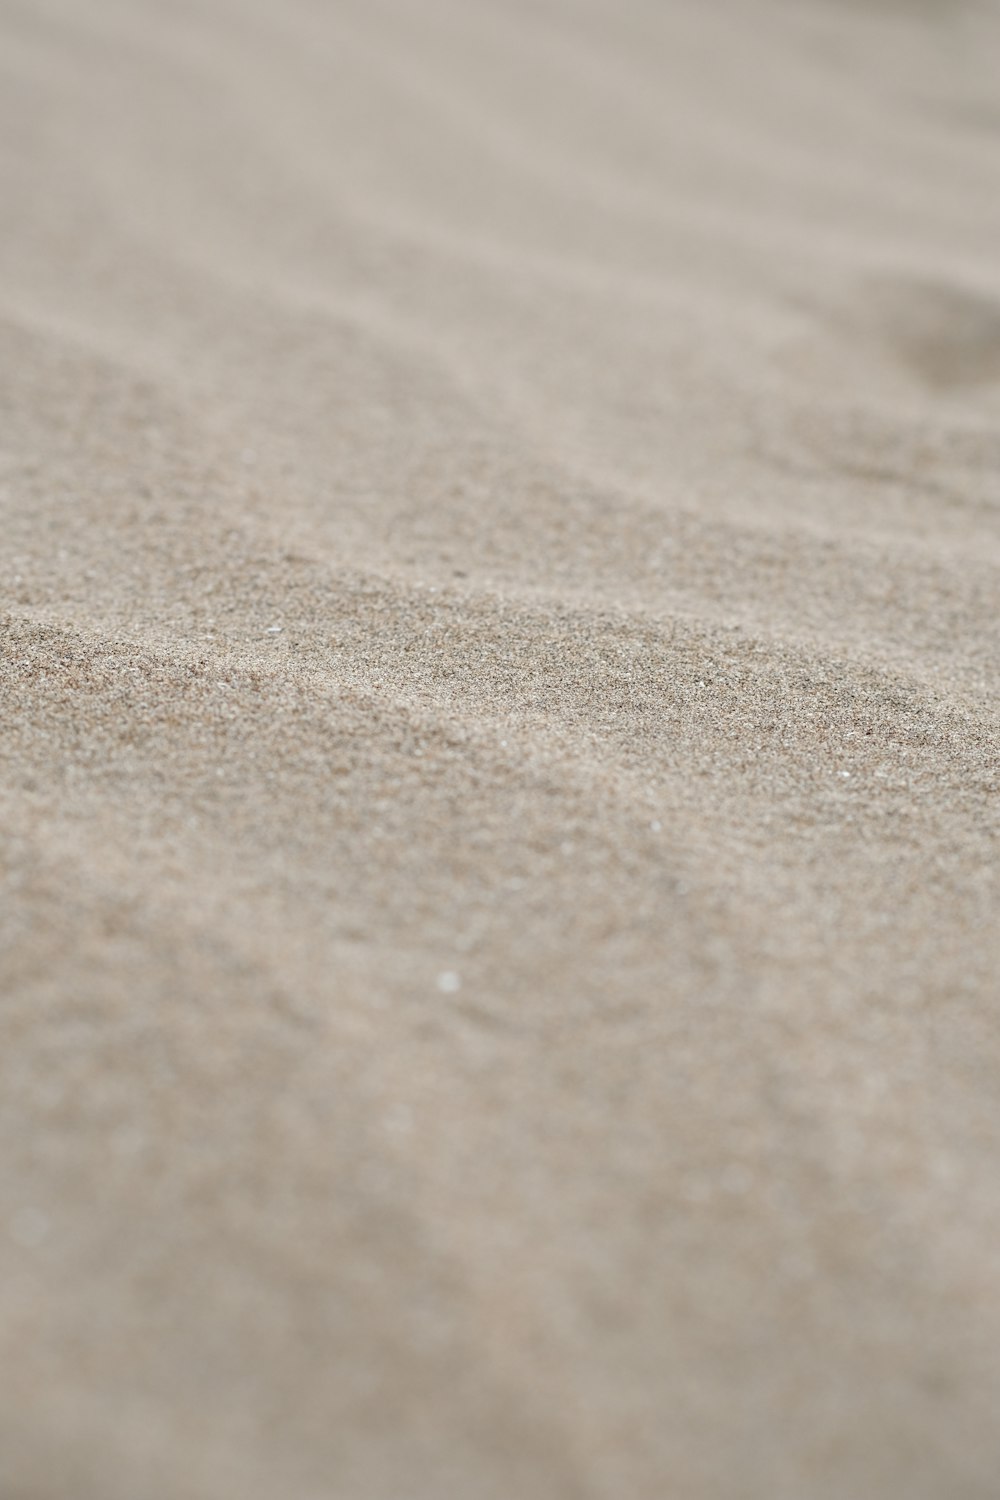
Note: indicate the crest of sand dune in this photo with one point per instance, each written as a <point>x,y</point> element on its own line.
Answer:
<point>499,647</point>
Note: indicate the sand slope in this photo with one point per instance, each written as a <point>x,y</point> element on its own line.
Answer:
<point>498,715</point>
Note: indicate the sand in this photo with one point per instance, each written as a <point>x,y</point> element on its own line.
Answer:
<point>499,931</point>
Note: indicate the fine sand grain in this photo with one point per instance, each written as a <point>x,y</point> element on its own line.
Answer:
<point>499,647</point>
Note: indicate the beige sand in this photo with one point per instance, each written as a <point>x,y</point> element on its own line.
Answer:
<point>499,799</point>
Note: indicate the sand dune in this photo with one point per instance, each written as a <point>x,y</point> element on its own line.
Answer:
<point>499,942</point>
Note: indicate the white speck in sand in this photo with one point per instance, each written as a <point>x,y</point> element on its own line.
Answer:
<point>128,1141</point>
<point>399,1120</point>
<point>449,983</point>
<point>736,1179</point>
<point>275,629</point>
<point>656,825</point>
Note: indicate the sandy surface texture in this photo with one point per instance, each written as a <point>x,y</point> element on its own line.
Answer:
<point>499,647</point>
